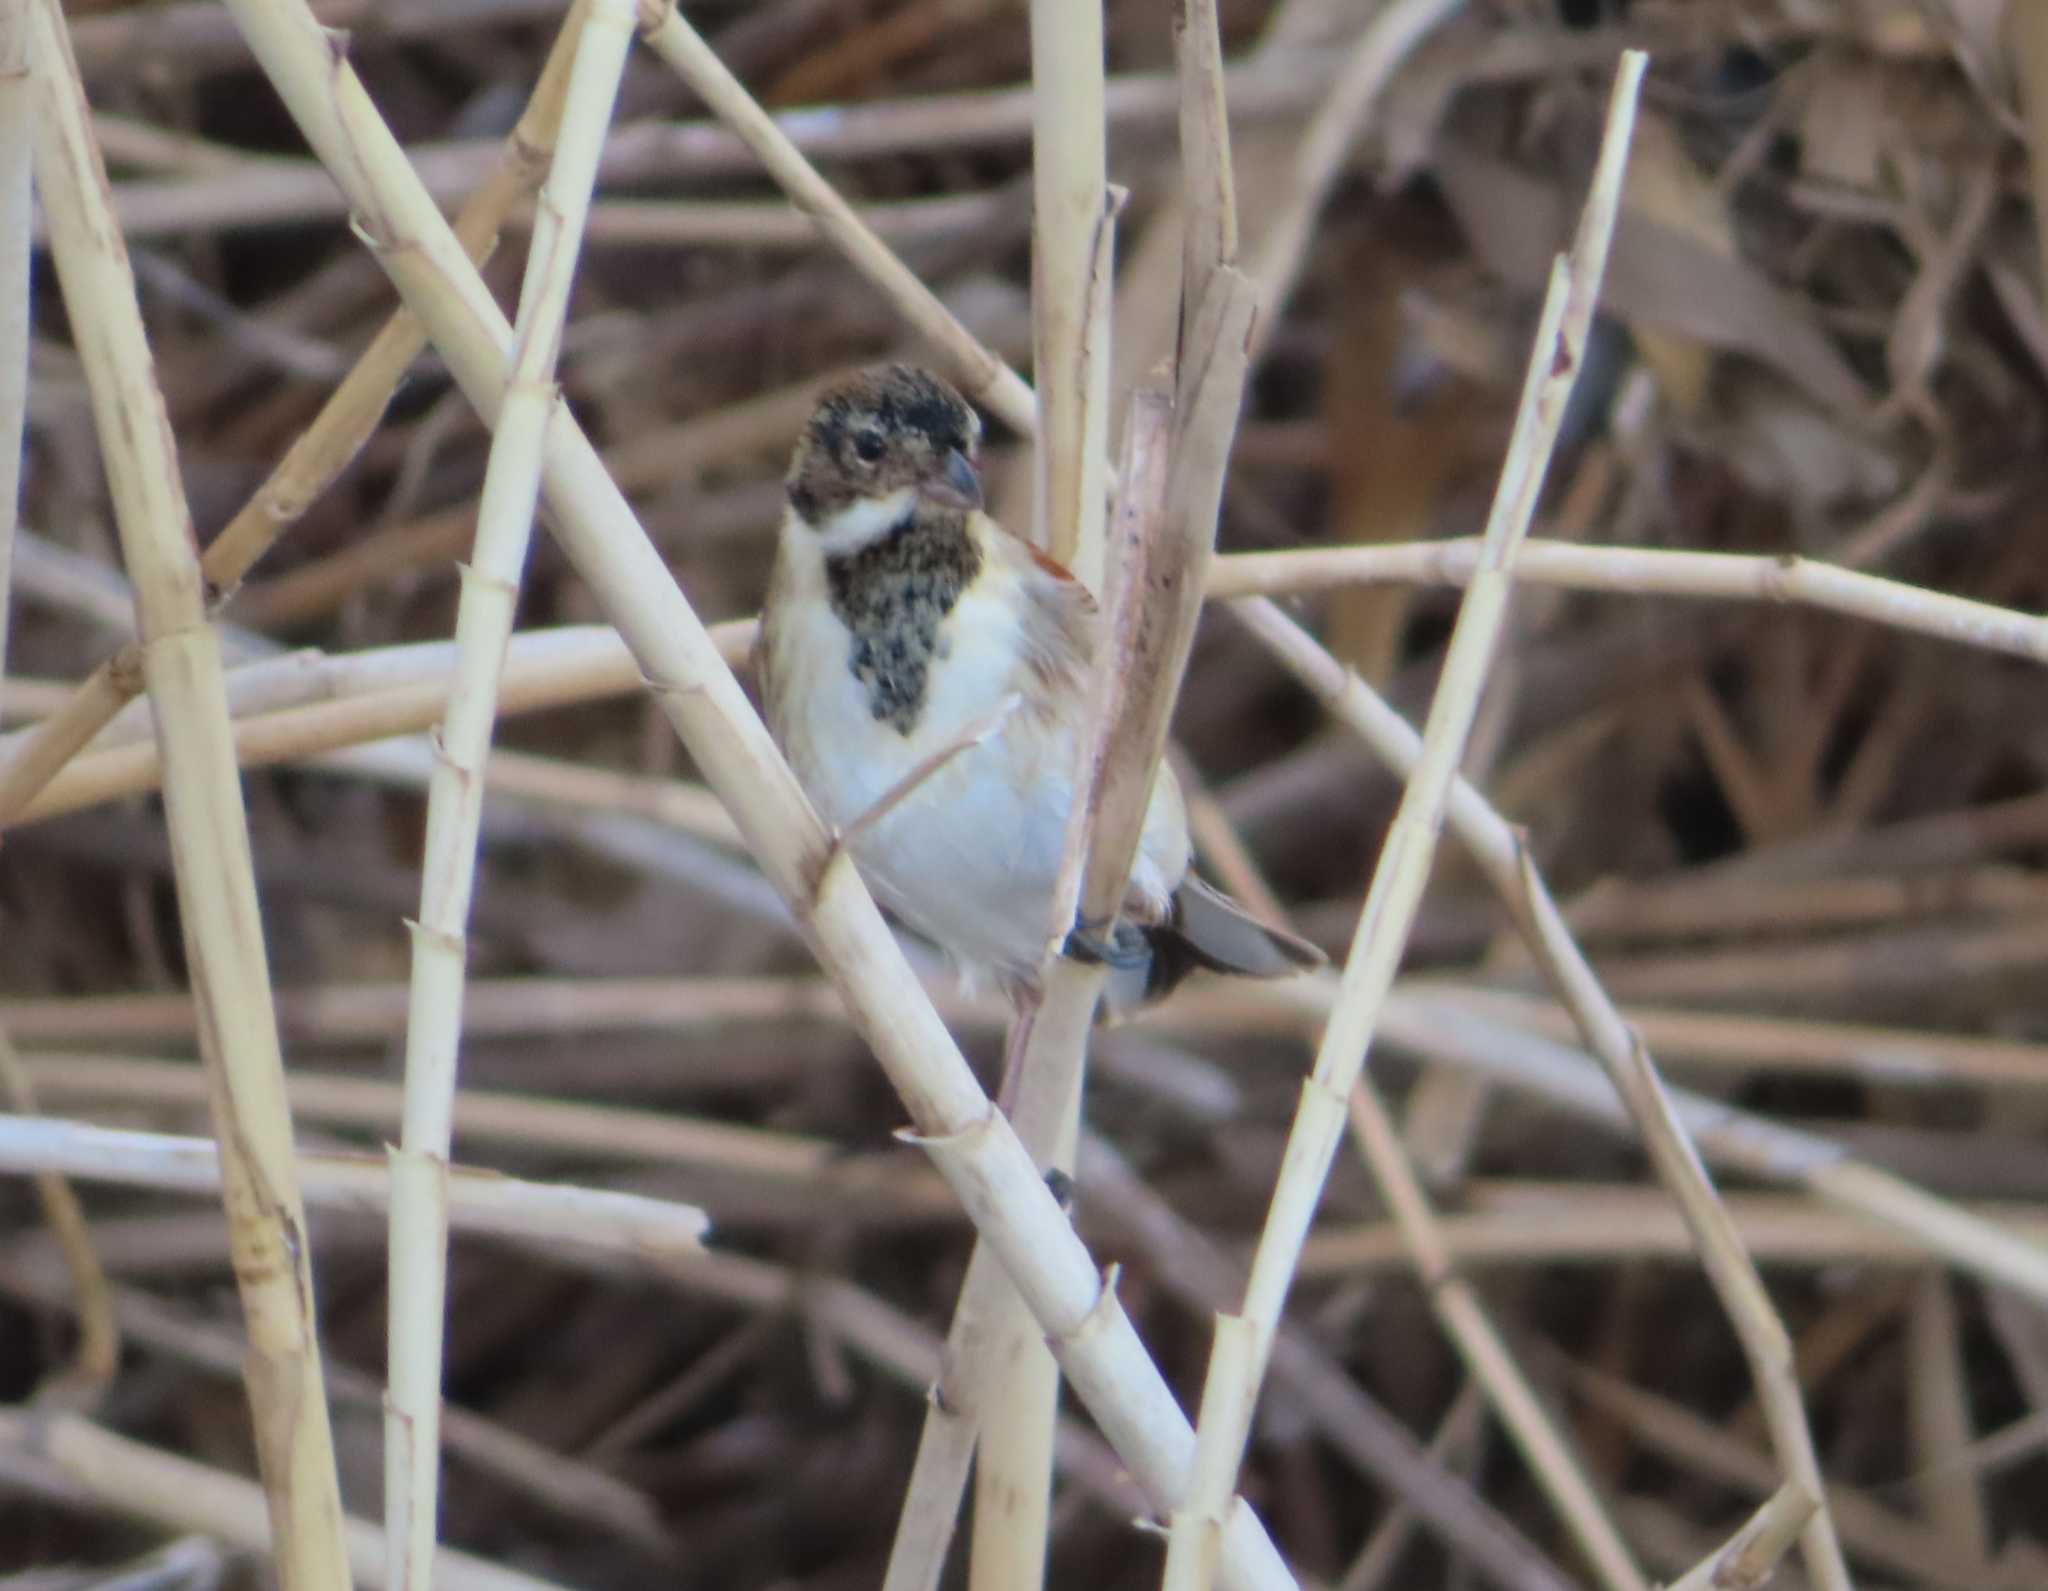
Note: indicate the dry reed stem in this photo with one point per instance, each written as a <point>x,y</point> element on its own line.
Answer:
<point>980,373</point>
<point>1073,224</point>
<point>1398,880</point>
<point>1644,571</point>
<point>479,1201</point>
<point>2026,38</point>
<point>32,757</point>
<point>1750,1144</point>
<point>1546,1223</point>
<point>1938,1420</point>
<point>244,190</point>
<point>322,451</point>
<point>408,692</point>
<point>1726,1261</point>
<point>1750,1556</point>
<point>145,1483</point>
<point>974,1147</point>
<point>15,209</point>
<point>1321,1390</point>
<point>209,834</point>
<point>567,1486</point>
<point>455,796</point>
<point>98,1354</point>
<point>1545,1448</point>
<point>988,1340</point>
<point>612,1133</point>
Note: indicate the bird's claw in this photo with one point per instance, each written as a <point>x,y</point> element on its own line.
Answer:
<point>1122,950</point>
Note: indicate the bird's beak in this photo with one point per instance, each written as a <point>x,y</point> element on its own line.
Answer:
<point>956,486</point>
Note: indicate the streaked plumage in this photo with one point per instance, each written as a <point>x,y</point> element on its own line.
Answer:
<point>901,620</point>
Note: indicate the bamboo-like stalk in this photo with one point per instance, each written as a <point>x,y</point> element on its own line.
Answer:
<point>1072,233</point>
<point>15,210</point>
<point>987,1340</point>
<point>374,696</point>
<point>147,1483</point>
<point>209,834</point>
<point>1639,571</point>
<point>479,1201</point>
<point>982,375</point>
<point>1230,1392</point>
<point>318,457</point>
<point>1645,571</point>
<point>455,797</point>
<point>1069,270</point>
<point>973,1146</point>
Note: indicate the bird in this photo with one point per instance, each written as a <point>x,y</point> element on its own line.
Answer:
<point>925,673</point>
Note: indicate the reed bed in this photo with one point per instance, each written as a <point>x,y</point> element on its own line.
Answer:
<point>445,1139</point>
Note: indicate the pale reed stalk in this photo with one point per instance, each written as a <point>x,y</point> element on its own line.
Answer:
<point>147,1483</point>
<point>15,210</point>
<point>1072,233</point>
<point>210,858</point>
<point>1244,1342</point>
<point>455,795</point>
<point>1651,571</point>
<point>973,1146</point>
<point>627,1225</point>
<point>987,1339</point>
<point>980,372</point>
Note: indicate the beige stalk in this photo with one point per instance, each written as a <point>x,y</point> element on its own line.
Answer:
<point>209,834</point>
<point>455,795</point>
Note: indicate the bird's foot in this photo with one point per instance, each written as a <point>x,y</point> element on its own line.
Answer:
<point>1123,949</point>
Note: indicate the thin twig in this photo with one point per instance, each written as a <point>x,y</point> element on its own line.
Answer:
<point>209,832</point>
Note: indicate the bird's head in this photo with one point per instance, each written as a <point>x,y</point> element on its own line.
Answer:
<point>878,443</point>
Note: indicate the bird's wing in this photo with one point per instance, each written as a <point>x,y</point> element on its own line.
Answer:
<point>1061,620</point>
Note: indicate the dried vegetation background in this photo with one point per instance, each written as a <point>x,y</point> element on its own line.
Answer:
<point>1794,815</point>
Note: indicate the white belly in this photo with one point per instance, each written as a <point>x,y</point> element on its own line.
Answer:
<point>969,859</point>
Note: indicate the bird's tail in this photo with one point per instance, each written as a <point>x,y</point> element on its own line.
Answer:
<point>1207,930</point>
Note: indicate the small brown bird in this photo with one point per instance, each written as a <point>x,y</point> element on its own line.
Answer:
<point>926,674</point>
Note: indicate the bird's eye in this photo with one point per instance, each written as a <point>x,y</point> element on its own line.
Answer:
<point>868,447</point>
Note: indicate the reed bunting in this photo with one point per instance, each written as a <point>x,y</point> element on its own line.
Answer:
<point>926,674</point>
